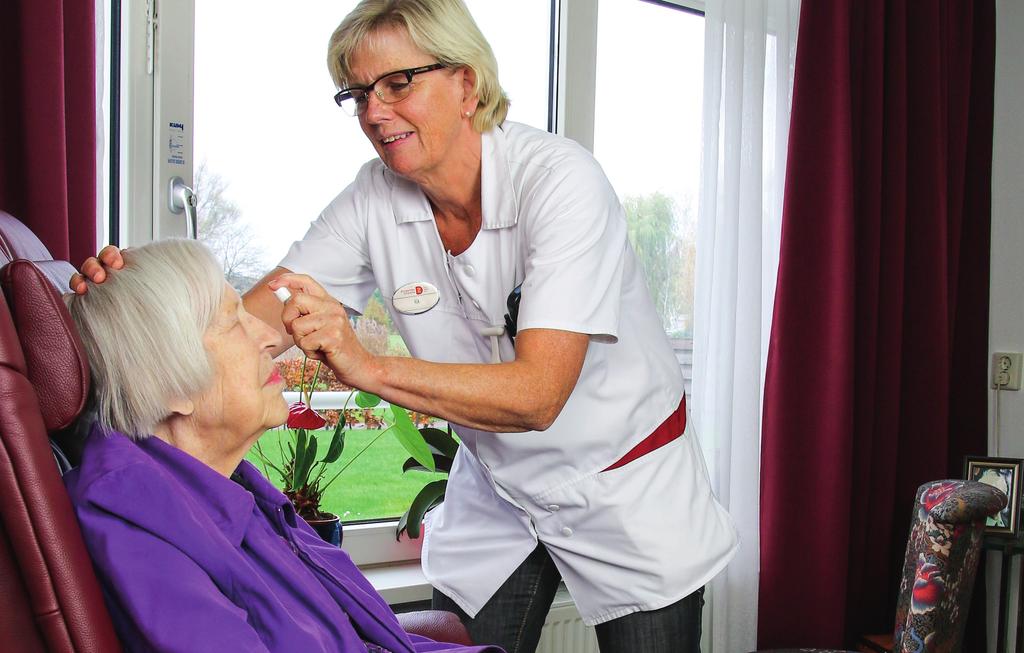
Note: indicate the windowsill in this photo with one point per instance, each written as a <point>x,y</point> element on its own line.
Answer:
<point>401,582</point>
<point>374,544</point>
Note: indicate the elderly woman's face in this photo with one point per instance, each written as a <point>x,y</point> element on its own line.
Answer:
<point>418,133</point>
<point>244,398</point>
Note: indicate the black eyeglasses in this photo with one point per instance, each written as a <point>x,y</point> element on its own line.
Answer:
<point>396,87</point>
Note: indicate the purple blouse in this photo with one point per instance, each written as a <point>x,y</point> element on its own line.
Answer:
<point>192,561</point>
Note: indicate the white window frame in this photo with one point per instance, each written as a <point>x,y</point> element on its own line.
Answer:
<point>157,39</point>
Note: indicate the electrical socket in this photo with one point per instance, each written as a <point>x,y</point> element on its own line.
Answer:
<point>1006,367</point>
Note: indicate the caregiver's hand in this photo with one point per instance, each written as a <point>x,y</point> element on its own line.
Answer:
<point>319,325</point>
<point>95,269</point>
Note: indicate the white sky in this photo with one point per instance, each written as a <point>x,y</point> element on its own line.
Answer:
<point>266,122</point>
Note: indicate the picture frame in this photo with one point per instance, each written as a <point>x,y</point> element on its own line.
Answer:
<point>1004,474</point>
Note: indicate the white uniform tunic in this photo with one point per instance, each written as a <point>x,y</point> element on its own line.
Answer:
<point>638,537</point>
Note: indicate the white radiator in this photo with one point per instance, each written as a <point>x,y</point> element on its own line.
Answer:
<point>564,631</point>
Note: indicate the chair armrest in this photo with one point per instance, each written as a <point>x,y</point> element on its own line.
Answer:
<point>438,625</point>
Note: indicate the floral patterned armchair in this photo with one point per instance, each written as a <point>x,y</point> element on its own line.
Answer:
<point>940,565</point>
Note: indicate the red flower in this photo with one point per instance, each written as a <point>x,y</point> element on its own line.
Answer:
<point>301,416</point>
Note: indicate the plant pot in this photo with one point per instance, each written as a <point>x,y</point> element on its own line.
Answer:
<point>329,528</point>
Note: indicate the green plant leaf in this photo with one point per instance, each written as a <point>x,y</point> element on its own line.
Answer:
<point>310,460</point>
<point>367,400</point>
<point>442,463</point>
<point>298,455</point>
<point>267,461</point>
<point>431,495</point>
<point>409,437</point>
<point>440,440</point>
<point>337,443</point>
<point>305,455</point>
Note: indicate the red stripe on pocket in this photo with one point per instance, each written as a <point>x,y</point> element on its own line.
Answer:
<point>668,431</point>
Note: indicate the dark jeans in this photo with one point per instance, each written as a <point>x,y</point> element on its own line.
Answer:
<point>514,616</point>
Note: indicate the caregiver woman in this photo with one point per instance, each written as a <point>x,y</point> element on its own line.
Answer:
<point>577,462</point>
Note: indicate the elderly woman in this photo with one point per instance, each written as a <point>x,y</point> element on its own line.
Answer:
<point>499,243</point>
<point>197,551</point>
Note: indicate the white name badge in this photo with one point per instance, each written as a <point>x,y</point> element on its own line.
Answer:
<point>415,298</point>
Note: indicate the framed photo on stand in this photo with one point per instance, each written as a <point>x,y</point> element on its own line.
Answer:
<point>1003,474</point>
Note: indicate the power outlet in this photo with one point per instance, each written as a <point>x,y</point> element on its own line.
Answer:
<point>1006,370</point>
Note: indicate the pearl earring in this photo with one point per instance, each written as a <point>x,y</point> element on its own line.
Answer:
<point>469,113</point>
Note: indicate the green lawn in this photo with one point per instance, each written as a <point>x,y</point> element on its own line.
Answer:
<point>373,487</point>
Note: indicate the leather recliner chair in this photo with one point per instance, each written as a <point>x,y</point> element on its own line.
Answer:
<point>52,599</point>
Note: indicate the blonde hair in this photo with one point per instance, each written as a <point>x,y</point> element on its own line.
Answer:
<point>143,330</point>
<point>442,28</point>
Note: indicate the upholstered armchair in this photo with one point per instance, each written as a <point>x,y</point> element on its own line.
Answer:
<point>52,600</point>
<point>940,565</point>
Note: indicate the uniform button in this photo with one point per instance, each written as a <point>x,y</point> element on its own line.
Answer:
<point>566,531</point>
<point>469,270</point>
<point>554,507</point>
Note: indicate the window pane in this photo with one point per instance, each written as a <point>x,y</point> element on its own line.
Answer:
<point>372,487</point>
<point>273,149</point>
<point>521,40</point>
<point>647,136</point>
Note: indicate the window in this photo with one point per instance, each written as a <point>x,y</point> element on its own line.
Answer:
<point>647,136</point>
<point>272,149</point>
<point>266,148</point>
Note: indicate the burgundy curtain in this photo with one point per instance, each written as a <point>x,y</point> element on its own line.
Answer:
<point>876,378</point>
<point>48,121</point>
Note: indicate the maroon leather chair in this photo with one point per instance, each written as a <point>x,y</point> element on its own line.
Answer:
<point>52,600</point>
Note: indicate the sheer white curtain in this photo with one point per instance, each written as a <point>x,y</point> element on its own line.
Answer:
<point>749,56</point>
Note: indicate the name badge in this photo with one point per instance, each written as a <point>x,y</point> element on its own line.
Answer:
<point>415,298</point>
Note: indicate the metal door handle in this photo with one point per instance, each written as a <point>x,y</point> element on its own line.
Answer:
<point>182,198</point>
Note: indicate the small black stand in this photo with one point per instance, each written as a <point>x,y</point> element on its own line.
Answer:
<point>1009,548</point>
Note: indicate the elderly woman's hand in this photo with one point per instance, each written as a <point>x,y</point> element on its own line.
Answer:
<point>320,327</point>
<point>95,269</point>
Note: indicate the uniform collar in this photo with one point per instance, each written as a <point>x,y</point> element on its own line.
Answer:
<point>498,195</point>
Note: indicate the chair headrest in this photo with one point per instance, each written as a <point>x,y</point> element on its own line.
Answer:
<point>18,241</point>
<point>957,501</point>
<point>55,359</point>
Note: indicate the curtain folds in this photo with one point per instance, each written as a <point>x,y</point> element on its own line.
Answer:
<point>749,57</point>
<point>876,377</point>
<point>48,121</point>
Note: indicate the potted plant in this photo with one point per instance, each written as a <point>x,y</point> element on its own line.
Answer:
<point>443,447</point>
<point>306,468</point>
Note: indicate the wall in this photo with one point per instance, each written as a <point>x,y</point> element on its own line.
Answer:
<point>1006,329</point>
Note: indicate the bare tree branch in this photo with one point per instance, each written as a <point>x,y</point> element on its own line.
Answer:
<point>223,229</point>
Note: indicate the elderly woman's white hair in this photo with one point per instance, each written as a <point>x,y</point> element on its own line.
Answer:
<point>143,332</point>
<point>442,28</point>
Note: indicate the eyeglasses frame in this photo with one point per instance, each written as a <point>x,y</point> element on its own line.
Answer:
<point>346,93</point>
